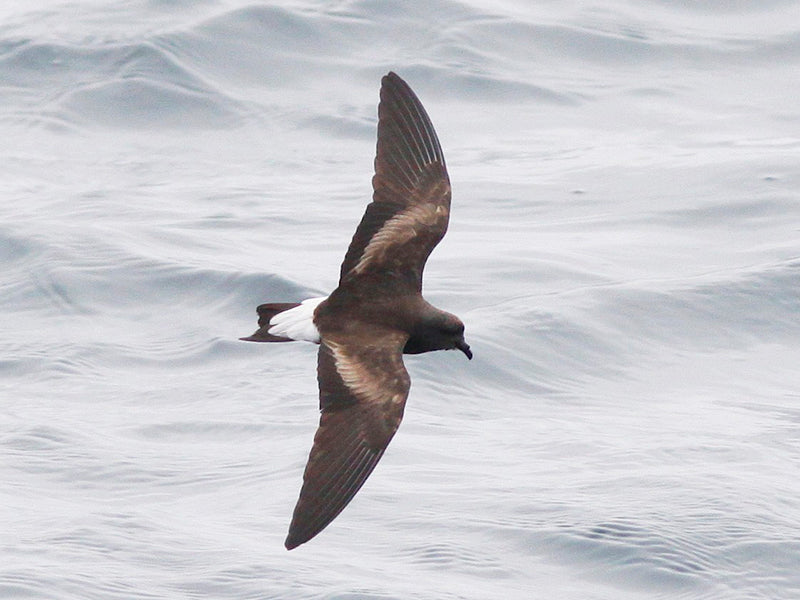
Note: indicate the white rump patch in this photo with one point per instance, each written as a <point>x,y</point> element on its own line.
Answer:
<point>297,323</point>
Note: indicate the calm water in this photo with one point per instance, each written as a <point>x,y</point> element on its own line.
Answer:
<point>624,249</point>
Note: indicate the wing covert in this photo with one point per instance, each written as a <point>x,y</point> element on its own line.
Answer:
<point>410,206</point>
<point>363,388</point>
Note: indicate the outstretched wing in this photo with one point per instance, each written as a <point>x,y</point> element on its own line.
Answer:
<point>410,205</point>
<point>363,386</point>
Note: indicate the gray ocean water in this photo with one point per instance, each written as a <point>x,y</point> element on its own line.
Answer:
<point>624,249</point>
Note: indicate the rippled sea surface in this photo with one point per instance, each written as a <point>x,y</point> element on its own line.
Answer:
<point>624,249</point>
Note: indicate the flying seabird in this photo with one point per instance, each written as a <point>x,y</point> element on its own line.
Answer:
<point>376,315</point>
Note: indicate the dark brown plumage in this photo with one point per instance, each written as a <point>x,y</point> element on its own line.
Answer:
<point>265,313</point>
<point>376,314</point>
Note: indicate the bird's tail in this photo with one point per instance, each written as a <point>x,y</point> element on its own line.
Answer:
<point>286,322</point>
<point>265,314</point>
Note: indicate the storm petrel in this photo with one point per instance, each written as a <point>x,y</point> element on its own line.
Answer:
<point>376,315</point>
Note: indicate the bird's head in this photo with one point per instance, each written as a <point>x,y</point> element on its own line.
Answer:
<point>451,333</point>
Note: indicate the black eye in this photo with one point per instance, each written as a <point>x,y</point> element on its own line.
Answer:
<point>454,328</point>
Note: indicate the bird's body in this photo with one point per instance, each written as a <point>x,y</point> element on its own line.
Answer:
<point>375,315</point>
